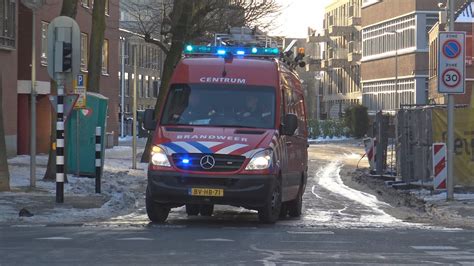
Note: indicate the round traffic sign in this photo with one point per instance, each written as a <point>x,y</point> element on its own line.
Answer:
<point>451,48</point>
<point>451,77</point>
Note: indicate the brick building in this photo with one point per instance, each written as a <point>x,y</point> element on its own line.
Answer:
<point>109,83</point>
<point>8,70</point>
<point>393,27</point>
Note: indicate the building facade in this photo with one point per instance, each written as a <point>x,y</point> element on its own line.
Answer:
<point>8,70</point>
<point>109,84</point>
<point>149,60</point>
<point>340,63</point>
<point>395,51</point>
<point>464,22</point>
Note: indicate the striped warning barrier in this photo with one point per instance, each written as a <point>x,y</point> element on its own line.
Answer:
<point>369,144</point>
<point>440,171</point>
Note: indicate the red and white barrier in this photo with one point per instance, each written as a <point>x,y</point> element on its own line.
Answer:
<point>369,144</point>
<point>440,172</point>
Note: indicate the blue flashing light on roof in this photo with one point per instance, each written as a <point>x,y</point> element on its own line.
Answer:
<point>185,161</point>
<point>223,50</point>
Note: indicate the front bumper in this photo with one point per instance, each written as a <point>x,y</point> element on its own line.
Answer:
<point>172,188</point>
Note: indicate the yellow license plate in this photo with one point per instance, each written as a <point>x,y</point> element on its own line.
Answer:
<point>206,192</point>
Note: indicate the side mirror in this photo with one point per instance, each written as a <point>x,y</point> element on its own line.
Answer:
<point>149,121</point>
<point>290,124</point>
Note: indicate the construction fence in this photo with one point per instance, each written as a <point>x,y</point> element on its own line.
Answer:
<point>418,128</point>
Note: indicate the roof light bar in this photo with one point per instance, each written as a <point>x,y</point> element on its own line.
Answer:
<point>223,50</point>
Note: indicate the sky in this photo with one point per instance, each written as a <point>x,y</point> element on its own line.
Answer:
<point>297,15</point>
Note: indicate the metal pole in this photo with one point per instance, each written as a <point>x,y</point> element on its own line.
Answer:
<point>122,89</point>
<point>397,102</point>
<point>33,104</point>
<point>60,140</point>
<point>134,129</point>
<point>318,103</point>
<point>450,144</point>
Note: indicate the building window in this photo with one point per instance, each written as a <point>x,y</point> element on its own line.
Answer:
<point>107,7</point>
<point>44,43</point>
<point>140,86</point>
<point>105,57</point>
<point>7,23</point>
<point>84,51</point>
<point>378,39</point>
<point>146,87</point>
<point>87,3</point>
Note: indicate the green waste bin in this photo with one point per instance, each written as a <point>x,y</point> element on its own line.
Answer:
<point>80,135</point>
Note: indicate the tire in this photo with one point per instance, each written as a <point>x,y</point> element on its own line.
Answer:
<point>270,213</point>
<point>206,209</point>
<point>284,210</point>
<point>295,206</point>
<point>156,212</point>
<point>192,209</point>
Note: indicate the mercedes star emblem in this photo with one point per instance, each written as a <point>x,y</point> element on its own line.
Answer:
<point>207,162</point>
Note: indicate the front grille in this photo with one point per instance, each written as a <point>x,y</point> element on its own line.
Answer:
<point>223,162</point>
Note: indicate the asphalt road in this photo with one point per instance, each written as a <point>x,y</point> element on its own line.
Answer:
<point>340,225</point>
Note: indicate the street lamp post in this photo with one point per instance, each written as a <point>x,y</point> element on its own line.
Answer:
<point>33,5</point>
<point>318,78</point>
<point>122,88</point>
<point>134,41</point>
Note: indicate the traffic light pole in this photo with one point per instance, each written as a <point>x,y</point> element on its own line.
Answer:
<point>60,140</point>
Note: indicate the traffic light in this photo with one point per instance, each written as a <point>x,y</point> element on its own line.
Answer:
<point>67,57</point>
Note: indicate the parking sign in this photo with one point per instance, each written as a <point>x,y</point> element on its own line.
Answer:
<point>451,62</point>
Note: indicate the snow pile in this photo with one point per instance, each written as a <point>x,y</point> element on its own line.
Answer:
<point>328,139</point>
<point>121,187</point>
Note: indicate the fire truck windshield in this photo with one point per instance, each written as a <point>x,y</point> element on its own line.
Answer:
<point>220,105</point>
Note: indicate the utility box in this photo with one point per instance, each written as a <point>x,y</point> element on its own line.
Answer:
<point>80,135</point>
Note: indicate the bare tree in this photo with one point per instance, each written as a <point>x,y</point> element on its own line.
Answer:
<point>170,25</point>
<point>96,45</point>
<point>4,174</point>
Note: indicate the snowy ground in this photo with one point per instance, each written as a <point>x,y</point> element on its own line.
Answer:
<point>121,187</point>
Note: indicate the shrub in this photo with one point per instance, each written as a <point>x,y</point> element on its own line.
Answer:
<point>356,119</point>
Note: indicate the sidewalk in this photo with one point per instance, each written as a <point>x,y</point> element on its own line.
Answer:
<point>121,188</point>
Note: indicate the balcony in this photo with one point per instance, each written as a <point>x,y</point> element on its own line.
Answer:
<point>355,54</point>
<point>337,58</point>
<point>318,39</point>
<point>341,30</point>
<point>355,21</point>
<point>314,65</point>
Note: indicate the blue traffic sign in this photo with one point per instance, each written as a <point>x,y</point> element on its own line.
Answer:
<point>452,49</point>
<point>80,80</point>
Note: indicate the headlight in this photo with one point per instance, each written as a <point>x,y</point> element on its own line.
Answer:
<point>260,161</point>
<point>159,157</point>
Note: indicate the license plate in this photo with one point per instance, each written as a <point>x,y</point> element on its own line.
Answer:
<point>206,192</point>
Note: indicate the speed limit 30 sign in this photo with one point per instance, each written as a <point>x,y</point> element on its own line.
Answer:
<point>452,62</point>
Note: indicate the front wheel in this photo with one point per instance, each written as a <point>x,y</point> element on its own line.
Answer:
<point>271,211</point>
<point>295,206</point>
<point>156,212</point>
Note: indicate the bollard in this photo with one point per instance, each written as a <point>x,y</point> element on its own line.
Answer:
<point>60,143</point>
<point>98,158</point>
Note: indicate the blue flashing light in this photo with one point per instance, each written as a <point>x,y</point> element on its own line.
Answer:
<point>185,161</point>
<point>222,51</point>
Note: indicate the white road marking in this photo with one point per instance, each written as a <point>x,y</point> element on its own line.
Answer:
<point>311,232</point>
<point>434,247</point>
<point>215,240</point>
<point>465,262</point>
<point>54,238</point>
<point>448,253</point>
<point>314,193</point>
<point>135,239</point>
<point>28,225</point>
